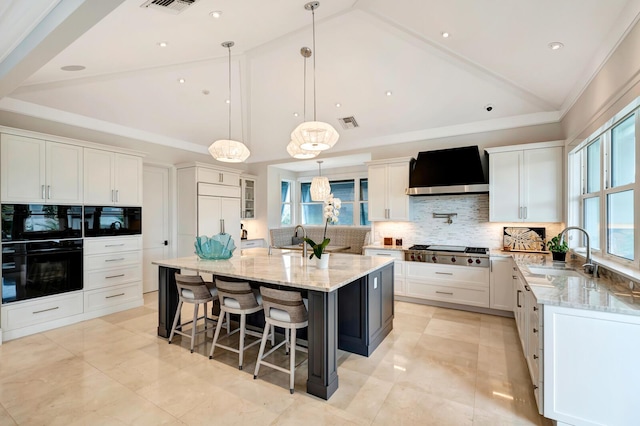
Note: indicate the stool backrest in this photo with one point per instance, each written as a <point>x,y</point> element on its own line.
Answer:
<point>288,301</point>
<point>193,283</point>
<point>240,291</point>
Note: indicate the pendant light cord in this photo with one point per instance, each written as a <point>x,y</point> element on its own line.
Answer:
<point>313,23</point>
<point>229,48</point>
<point>304,91</point>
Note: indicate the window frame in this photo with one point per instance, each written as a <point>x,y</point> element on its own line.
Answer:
<point>291,203</point>
<point>604,133</point>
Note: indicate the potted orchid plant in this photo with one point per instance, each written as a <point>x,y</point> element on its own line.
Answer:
<point>331,212</point>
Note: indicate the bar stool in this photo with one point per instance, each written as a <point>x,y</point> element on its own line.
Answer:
<point>284,309</point>
<point>236,298</point>
<point>193,289</point>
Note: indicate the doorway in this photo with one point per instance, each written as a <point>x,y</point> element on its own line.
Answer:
<point>155,223</point>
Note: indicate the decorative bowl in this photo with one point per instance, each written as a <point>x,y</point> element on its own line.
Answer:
<point>220,246</point>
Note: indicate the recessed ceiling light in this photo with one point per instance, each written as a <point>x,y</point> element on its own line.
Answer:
<point>216,14</point>
<point>205,92</point>
<point>445,34</point>
<point>295,114</point>
<point>73,68</point>
<point>338,105</point>
<point>181,80</point>
<point>555,45</point>
<point>228,101</point>
<point>388,93</point>
<point>163,44</point>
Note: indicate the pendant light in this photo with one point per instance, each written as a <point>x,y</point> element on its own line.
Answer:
<point>314,135</point>
<point>228,150</point>
<point>292,148</point>
<point>320,187</point>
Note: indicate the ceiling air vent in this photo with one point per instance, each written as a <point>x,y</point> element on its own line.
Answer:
<point>171,6</point>
<point>348,123</point>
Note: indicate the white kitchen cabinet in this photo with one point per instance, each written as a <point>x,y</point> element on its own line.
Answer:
<point>589,372</point>
<point>388,181</point>
<point>525,183</point>
<point>399,286</point>
<point>218,176</point>
<point>248,197</point>
<point>448,283</point>
<point>39,171</point>
<point>202,206</point>
<point>112,178</point>
<point>36,315</point>
<point>501,283</point>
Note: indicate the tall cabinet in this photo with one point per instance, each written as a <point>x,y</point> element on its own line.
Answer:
<point>525,182</point>
<point>208,202</point>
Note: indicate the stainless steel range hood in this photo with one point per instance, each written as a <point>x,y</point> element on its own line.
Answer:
<point>448,171</point>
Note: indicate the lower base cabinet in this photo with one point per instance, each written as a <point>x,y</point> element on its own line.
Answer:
<point>31,314</point>
<point>106,298</point>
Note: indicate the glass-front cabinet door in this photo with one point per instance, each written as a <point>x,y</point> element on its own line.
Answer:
<point>248,198</point>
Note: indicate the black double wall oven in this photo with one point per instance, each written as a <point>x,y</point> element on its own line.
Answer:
<point>41,250</point>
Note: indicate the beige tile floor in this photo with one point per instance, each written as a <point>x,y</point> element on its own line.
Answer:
<point>437,367</point>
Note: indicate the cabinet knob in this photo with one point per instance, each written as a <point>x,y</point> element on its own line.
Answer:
<point>535,308</point>
<point>535,330</point>
<point>535,356</point>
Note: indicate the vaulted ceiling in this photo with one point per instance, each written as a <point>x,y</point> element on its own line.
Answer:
<point>497,54</point>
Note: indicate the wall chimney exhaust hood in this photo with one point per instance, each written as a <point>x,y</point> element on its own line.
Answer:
<point>448,171</point>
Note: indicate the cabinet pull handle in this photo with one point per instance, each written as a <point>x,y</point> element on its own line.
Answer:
<point>220,177</point>
<point>49,191</point>
<point>114,245</point>
<point>518,299</point>
<point>115,295</point>
<point>526,287</point>
<point>535,308</point>
<point>535,356</point>
<point>520,212</point>
<point>444,273</point>
<point>490,265</point>
<point>43,196</point>
<point>535,330</point>
<point>113,197</point>
<point>514,277</point>
<point>117,195</point>
<point>535,387</point>
<point>444,292</point>
<point>46,310</point>
<point>115,276</point>
<point>222,226</point>
<point>114,260</point>
<point>525,213</point>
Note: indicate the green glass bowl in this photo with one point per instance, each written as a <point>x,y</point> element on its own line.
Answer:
<point>220,246</point>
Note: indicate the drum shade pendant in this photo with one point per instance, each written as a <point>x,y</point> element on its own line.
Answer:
<point>320,187</point>
<point>314,135</point>
<point>228,150</point>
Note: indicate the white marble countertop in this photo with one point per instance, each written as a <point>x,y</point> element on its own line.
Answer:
<point>607,293</point>
<point>284,267</point>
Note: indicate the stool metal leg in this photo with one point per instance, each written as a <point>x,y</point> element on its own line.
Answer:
<point>175,321</point>
<point>263,344</point>
<point>243,324</point>
<point>292,360</point>
<point>193,325</point>
<point>217,333</point>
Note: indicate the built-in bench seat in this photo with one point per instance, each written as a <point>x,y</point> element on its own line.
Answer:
<point>353,237</point>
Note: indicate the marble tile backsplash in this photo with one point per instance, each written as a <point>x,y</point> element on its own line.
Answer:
<point>470,227</point>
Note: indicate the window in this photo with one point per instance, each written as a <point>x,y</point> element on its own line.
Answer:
<point>608,162</point>
<point>353,211</point>
<point>286,210</point>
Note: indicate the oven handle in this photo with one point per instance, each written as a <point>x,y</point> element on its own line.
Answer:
<point>52,251</point>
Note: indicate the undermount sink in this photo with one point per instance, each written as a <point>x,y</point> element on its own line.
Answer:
<point>553,271</point>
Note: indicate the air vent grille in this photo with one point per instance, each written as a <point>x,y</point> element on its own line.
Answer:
<point>348,122</point>
<point>171,6</point>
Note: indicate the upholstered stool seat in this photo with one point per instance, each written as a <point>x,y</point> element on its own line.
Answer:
<point>236,298</point>
<point>286,309</point>
<point>193,289</point>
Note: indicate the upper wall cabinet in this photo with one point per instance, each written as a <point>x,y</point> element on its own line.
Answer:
<point>525,183</point>
<point>112,178</point>
<point>248,198</point>
<point>388,181</point>
<point>38,171</point>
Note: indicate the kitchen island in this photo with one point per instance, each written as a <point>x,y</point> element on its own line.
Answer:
<point>350,303</point>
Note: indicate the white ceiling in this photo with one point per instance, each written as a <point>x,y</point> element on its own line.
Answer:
<point>497,54</point>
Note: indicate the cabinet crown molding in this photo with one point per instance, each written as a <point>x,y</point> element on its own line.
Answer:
<point>207,166</point>
<point>524,146</point>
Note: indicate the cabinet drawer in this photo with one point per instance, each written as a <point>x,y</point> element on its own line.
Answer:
<point>112,296</point>
<point>396,254</point>
<point>218,190</point>
<point>461,275</point>
<point>39,311</point>
<point>245,244</point>
<point>398,268</point>
<point>101,245</point>
<point>111,277</point>
<point>447,293</point>
<point>105,261</point>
